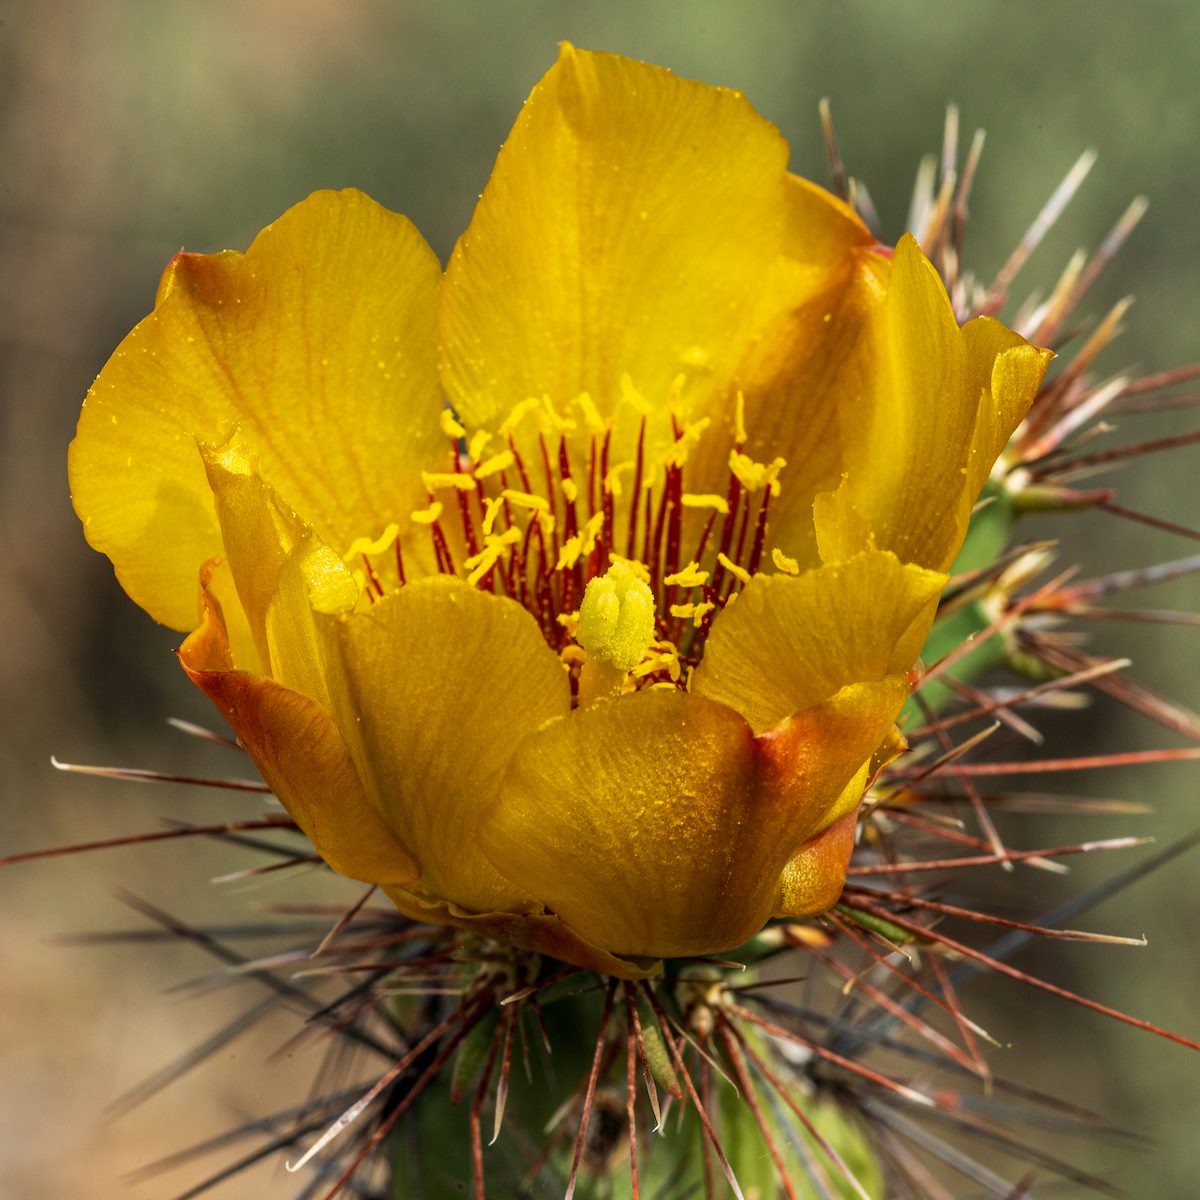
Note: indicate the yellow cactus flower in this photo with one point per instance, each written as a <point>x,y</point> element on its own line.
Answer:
<point>569,595</point>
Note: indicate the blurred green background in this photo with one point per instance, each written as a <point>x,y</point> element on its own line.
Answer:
<point>132,128</point>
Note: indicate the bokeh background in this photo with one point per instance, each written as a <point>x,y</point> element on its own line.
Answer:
<point>132,128</point>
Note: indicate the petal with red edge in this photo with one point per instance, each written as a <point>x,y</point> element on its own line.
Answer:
<point>814,877</point>
<point>656,825</point>
<point>296,747</point>
<point>817,762</point>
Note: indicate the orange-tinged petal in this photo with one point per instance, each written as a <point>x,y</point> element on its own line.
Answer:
<point>216,580</point>
<point>816,873</point>
<point>300,754</point>
<point>433,688</point>
<point>637,224</point>
<point>807,758</point>
<point>818,762</point>
<point>318,342</point>
<point>790,642</point>
<point>656,825</point>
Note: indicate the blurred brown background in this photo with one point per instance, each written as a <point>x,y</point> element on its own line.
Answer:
<point>132,128</point>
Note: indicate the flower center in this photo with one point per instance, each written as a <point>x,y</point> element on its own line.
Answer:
<point>616,558</point>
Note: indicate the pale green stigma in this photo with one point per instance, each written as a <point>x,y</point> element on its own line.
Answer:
<point>616,618</point>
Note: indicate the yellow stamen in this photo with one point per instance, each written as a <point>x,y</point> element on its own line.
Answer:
<point>754,476</point>
<point>664,659</point>
<point>732,567</point>
<point>675,392</point>
<point>447,479</point>
<point>568,556</point>
<point>633,397</point>
<point>498,462</point>
<point>705,500</point>
<point>370,547</point>
<point>739,419</point>
<point>496,542</point>
<point>526,500</point>
<point>561,424</point>
<point>519,413</point>
<point>696,612</point>
<point>591,531</point>
<point>570,489</point>
<point>591,414</point>
<point>573,655</point>
<point>492,507</point>
<point>450,427</point>
<point>677,455</point>
<point>479,441</point>
<point>480,564</point>
<point>612,481</point>
<point>691,576</point>
<point>789,566</point>
<point>582,544</point>
<point>427,516</point>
